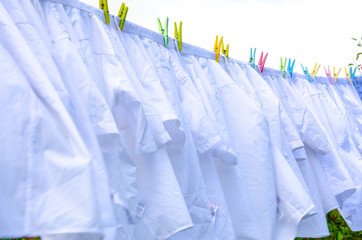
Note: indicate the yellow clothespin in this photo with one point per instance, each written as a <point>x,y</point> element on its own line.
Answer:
<point>217,48</point>
<point>122,13</point>
<point>315,71</point>
<point>348,74</point>
<point>103,4</point>
<point>225,51</point>
<point>334,73</point>
<point>178,36</point>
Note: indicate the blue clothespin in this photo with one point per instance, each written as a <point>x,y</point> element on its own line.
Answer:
<point>306,72</point>
<point>352,74</point>
<point>163,31</point>
<point>290,68</point>
<point>252,57</point>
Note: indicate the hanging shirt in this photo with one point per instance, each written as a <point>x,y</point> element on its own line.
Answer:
<point>314,225</point>
<point>55,202</point>
<point>251,207</point>
<point>184,159</point>
<point>157,222</point>
<point>337,174</point>
<point>221,152</point>
<point>288,220</point>
<point>352,159</point>
<point>224,150</point>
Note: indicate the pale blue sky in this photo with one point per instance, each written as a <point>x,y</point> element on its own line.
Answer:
<point>308,30</point>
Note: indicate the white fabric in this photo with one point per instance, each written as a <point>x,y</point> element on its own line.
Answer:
<point>293,206</point>
<point>183,158</point>
<point>249,186</point>
<point>315,225</point>
<point>111,135</point>
<point>41,133</point>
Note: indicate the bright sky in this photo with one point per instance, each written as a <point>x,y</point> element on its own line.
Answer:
<point>308,30</point>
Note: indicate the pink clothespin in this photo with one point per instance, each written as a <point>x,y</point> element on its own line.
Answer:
<point>328,74</point>
<point>262,61</point>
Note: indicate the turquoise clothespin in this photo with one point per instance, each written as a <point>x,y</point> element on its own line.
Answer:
<point>290,68</point>
<point>252,57</point>
<point>283,67</point>
<point>352,73</point>
<point>306,72</point>
<point>163,31</point>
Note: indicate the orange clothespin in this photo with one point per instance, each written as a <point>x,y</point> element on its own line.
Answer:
<point>217,47</point>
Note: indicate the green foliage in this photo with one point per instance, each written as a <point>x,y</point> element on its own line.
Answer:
<point>24,238</point>
<point>355,60</point>
<point>338,229</point>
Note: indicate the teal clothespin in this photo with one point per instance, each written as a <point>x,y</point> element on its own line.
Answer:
<point>252,57</point>
<point>306,72</point>
<point>290,68</point>
<point>163,31</point>
<point>283,67</point>
<point>352,73</point>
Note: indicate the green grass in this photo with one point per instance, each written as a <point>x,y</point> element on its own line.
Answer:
<point>338,229</point>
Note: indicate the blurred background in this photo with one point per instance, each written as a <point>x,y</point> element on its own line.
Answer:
<point>309,31</point>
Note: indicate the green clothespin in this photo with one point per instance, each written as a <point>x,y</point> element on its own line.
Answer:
<point>122,15</point>
<point>103,4</point>
<point>225,51</point>
<point>163,31</point>
<point>283,67</point>
<point>178,36</point>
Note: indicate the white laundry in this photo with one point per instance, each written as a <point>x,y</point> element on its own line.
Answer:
<point>108,134</point>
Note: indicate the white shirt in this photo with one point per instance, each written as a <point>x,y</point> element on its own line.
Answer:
<point>251,206</point>
<point>55,202</point>
<point>183,158</point>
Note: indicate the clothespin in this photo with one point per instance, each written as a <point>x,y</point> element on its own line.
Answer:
<point>252,57</point>
<point>334,73</point>
<point>122,15</point>
<point>290,67</point>
<point>225,51</point>
<point>103,4</point>
<point>283,67</point>
<point>328,74</point>
<point>178,36</point>
<point>352,74</point>
<point>315,70</point>
<point>262,61</point>
<point>163,31</point>
<point>348,75</point>
<point>217,47</point>
<point>306,72</point>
